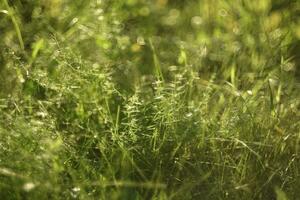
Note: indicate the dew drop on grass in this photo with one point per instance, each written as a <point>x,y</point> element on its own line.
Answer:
<point>189,114</point>
<point>196,20</point>
<point>141,41</point>
<point>41,114</point>
<point>173,68</point>
<point>100,18</point>
<point>76,189</point>
<point>250,92</point>
<point>158,97</point>
<point>28,186</point>
<point>99,11</point>
<point>74,21</point>
<point>4,11</point>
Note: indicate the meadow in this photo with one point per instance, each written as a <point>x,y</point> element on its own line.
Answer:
<point>150,99</point>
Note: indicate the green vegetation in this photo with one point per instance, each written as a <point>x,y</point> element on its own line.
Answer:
<point>149,99</point>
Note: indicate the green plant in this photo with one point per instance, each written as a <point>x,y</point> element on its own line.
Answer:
<point>149,99</point>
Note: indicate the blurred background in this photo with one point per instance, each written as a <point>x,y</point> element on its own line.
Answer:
<point>240,41</point>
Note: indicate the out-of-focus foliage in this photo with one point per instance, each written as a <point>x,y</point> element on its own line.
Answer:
<point>149,99</point>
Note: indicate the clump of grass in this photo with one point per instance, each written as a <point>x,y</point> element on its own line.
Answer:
<point>138,100</point>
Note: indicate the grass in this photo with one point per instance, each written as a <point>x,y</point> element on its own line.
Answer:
<point>149,99</point>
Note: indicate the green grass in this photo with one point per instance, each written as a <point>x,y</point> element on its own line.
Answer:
<point>136,99</point>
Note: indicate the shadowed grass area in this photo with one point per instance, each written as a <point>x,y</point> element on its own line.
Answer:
<point>158,99</point>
